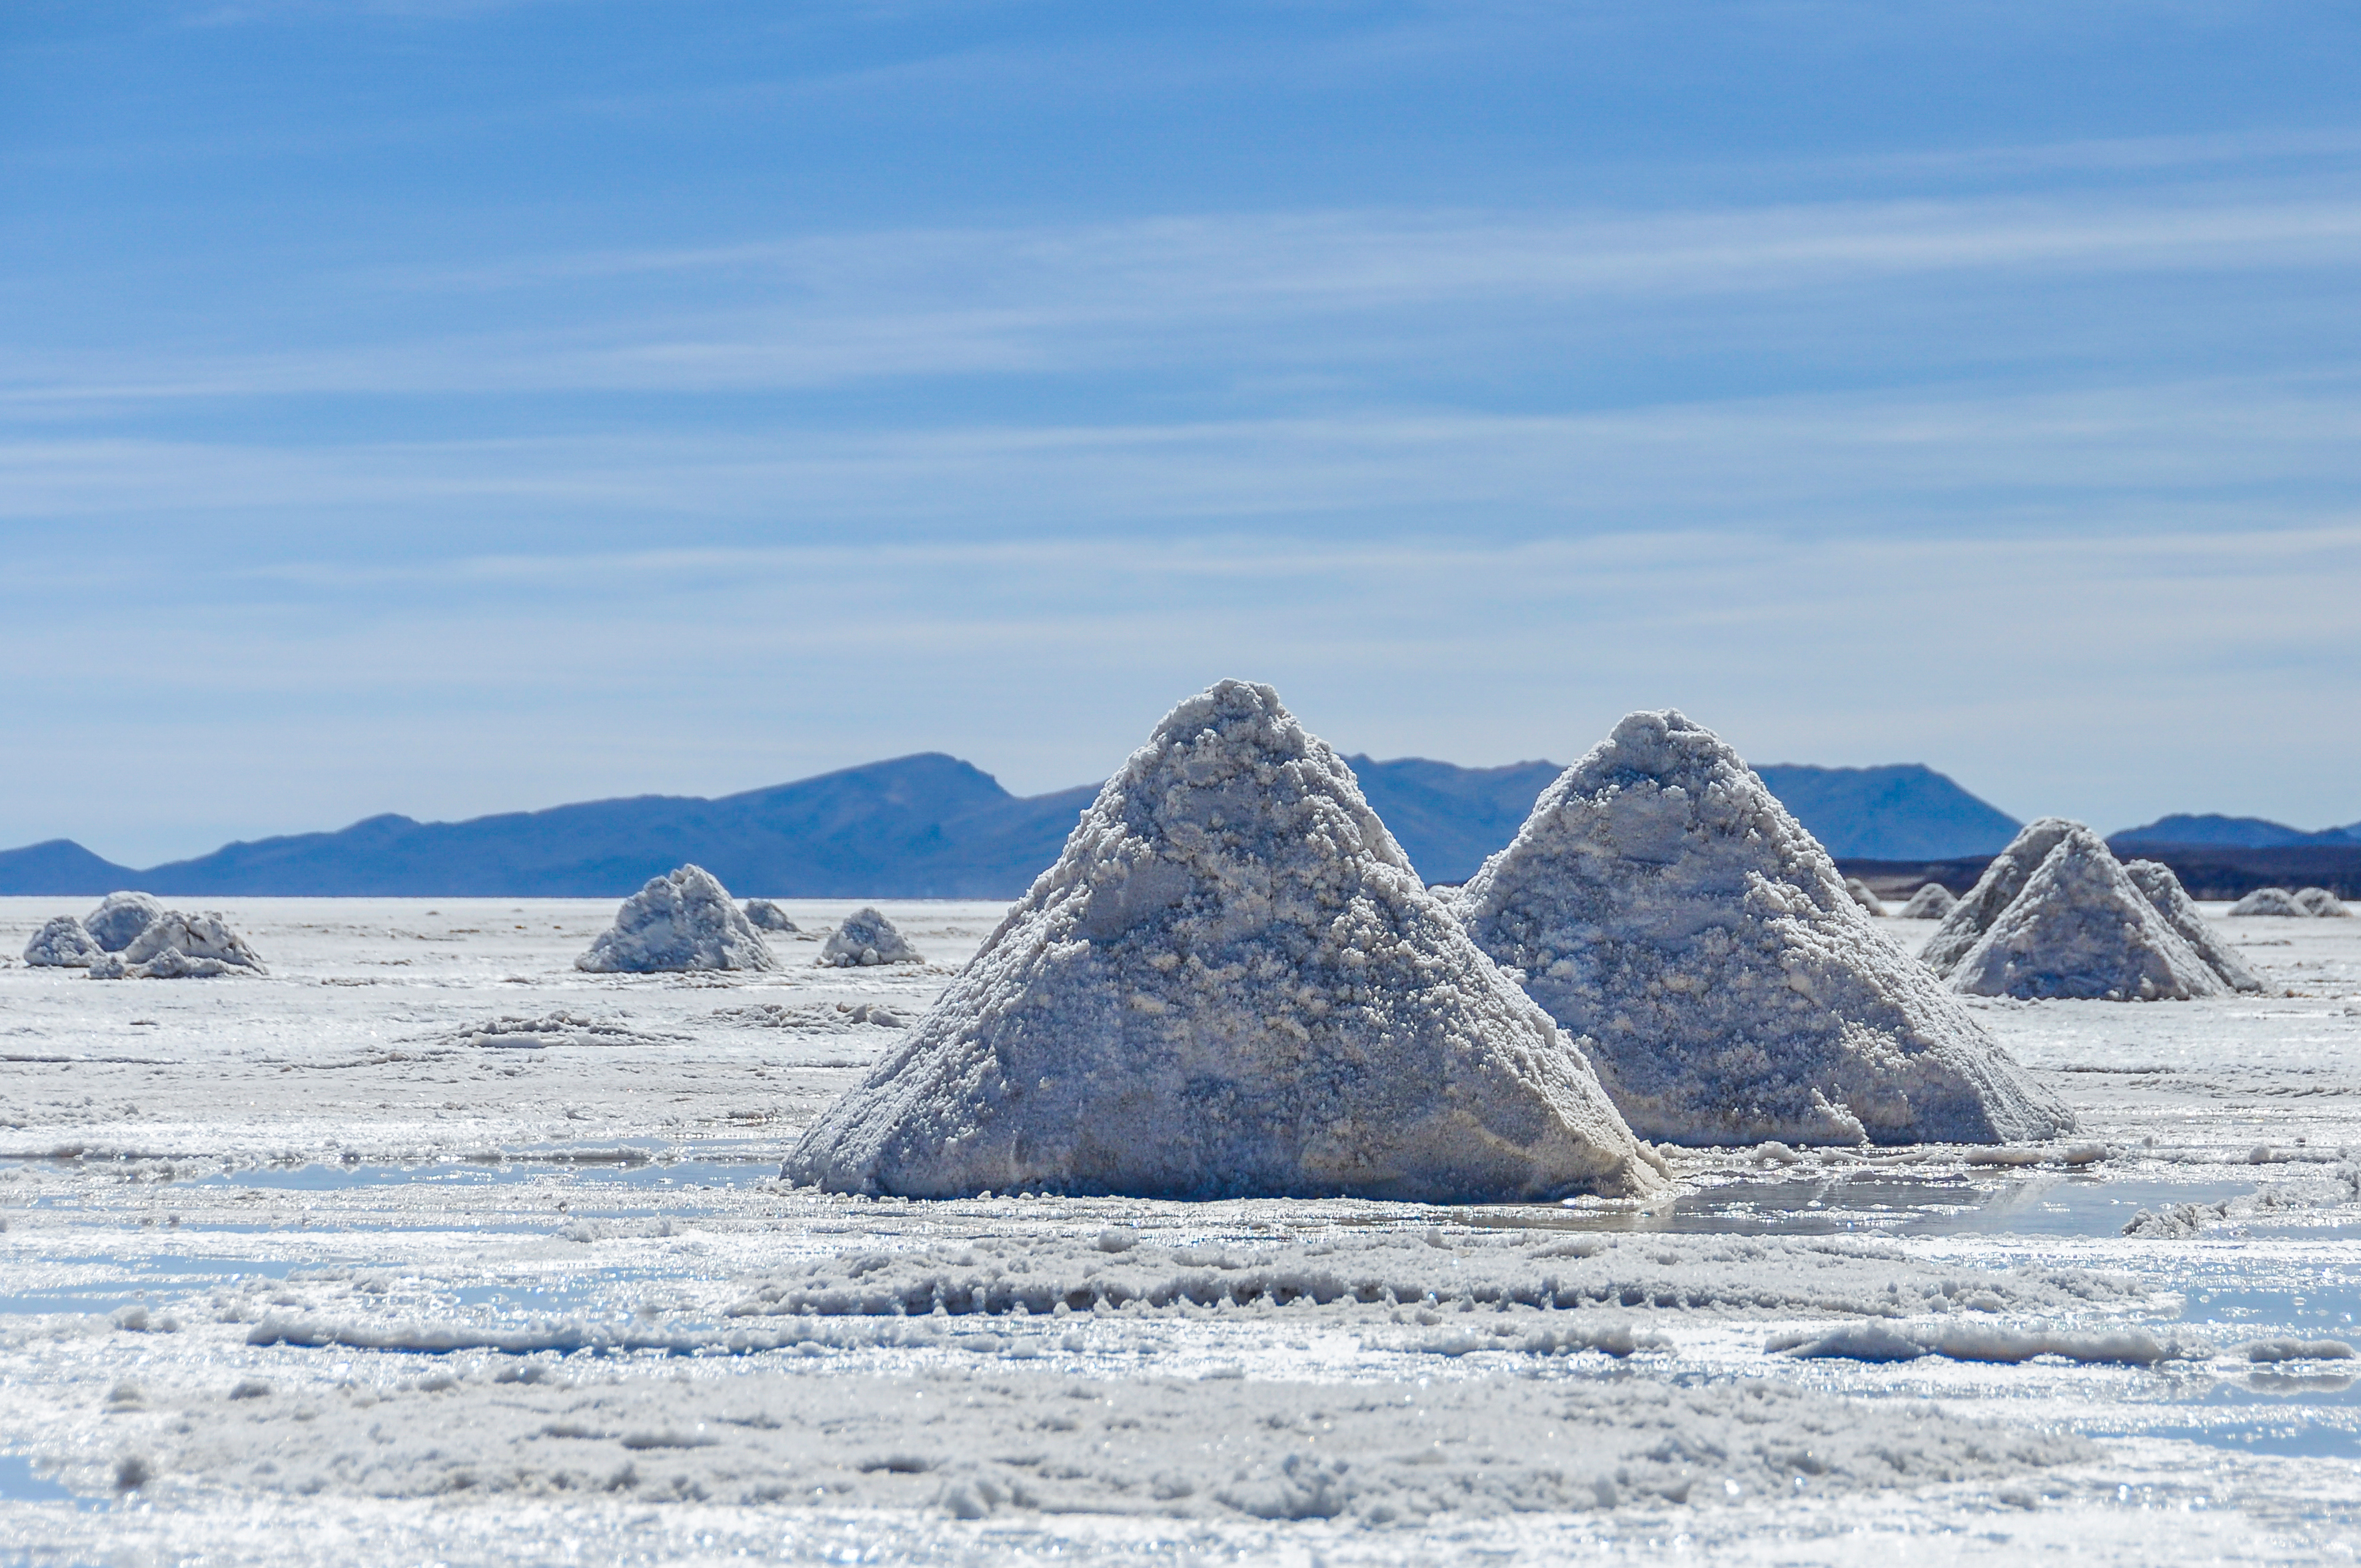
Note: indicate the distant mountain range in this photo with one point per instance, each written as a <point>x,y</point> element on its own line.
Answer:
<point>933,827</point>
<point>2230,832</point>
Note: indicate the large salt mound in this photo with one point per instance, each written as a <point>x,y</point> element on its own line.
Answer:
<point>174,946</point>
<point>2162,888</point>
<point>119,917</point>
<point>1232,983</point>
<point>866,936</point>
<point>2081,928</point>
<point>1667,909</point>
<point>2270,901</point>
<point>1931,902</point>
<point>684,921</point>
<point>2319,901</point>
<point>62,944</point>
<point>2004,879</point>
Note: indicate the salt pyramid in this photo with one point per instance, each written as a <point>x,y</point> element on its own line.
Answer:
<point>119,917</point>
<point>1931,902</point>
<point>62,944</point>
<point>2319,902</point>
<point>866,938</point>
<point>2270,901</point>
<point>1861,893</point>
<point>2081,928</point>
<point>2004,879</point>
<point>764,915</point>
<point>684,921</point>
<point>2162,888</point>
<point>1670,914</point>
<point>174,946</point>
<point>1230,984</point>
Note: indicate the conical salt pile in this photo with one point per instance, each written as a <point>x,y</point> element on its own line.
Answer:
<point>174,946</point>
<point>119,917</point>
<point>866,938</point>
<point>1671,915</point>
<point>2162,888</point>
<point>1931,902</point>
<point>2322,904</point>
<point>1230,984</point>
<point>62,944</point>
<point>2276,901</point>
<point>1861,893</point>
<point>764,915</point>
<point>684,921</point>
<point>2082,928</point>
<point>2002,879</point>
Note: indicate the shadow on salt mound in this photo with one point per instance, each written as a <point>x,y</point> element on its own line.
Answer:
<point>174,946</point>
<point>119,917</point>
<point>2270,901</point>
<point>1931,902</point>
<point>2162,888</point>
<point>1230,984</point>
<point>866,939</point>
<point>764,915</point>
<point>1667,910</point>
<point>62,943</point>
<point>2082,928</point>
<point>2004,879</point>
<point>680,922</point>
<point>1861,893</point>
<point>2322,904</point>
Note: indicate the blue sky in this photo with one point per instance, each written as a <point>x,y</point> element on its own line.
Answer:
<point>456,407</point>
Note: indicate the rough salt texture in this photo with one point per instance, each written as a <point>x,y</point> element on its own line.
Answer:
<point>865,939</point>
<point>2276,900</point>
<point>1859,891</point>
<point>2162,888</point>
<point>1232,983</point>
<point>2319,901</point>
<point>2082,928</point>
<point>1669,912</point>
<point>174,946</point>
<point>684,921</point>
<point>1994,891</point>
<point>62,944</point>
<point>764,915</point>
<point>1931,902</point>
<point>119,917</point>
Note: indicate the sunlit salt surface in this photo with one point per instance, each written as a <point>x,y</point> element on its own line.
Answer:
<point>427,1246</point>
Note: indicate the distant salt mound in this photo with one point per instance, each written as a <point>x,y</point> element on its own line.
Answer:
<point>2081,928</point>
<point>1931,902</point>
<point>174,946</point>
<point>764,915</point>
<point>62,944</point>
<point>2271,901</point>
<point>684,921</point>
<point>2002,879</point>
<point>2162,888</point>
<point>1230,984</point>
<point>119,917</point>
<point>1671,915</point>
<point>2322,904</point>
<point>866,938</point>
<point>1861,893</point>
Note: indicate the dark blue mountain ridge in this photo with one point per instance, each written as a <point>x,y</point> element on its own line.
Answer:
<point>2240,832</point>
<point>1899,811</point>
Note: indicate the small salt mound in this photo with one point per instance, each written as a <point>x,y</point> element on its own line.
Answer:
<point>866,938</point>
<point>2270,901</point>
<point>684,921</point>
<point>1931,902</point>
<point>1669,913</point>
<point>764,915</point>
<point>2002,879</point>
<point>119,917</point>
<point>1860,893</point>
<point>174,946</point>
<point>2162,888</point>
<point>2079,927</point>
<point>2319,902</point>
<point>62,944</point>
<point>1230,984</point>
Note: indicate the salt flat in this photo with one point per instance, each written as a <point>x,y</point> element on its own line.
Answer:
<point>428,1246</point>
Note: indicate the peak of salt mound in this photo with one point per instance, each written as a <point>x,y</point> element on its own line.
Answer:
<point>1669,912</point>
<point>175,945</point>
<point>2162,888</point>
<point>2320,903</point>
<point>1230,984</point>
<point>2273,901</point>
<point>2002,879</point>
<point>62,944</point>
<point>764,915</point>
<point>1931,902</point>
<point>1861,893</point>
<point>864,938</point>
<point>2081,928</point>
<point>683,921</point>
<point>119,917</point>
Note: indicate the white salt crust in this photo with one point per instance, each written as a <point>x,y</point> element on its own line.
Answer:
<point>684,921</point>
<point>1673,915</point>
<point>1232,983</point>
<point>2081,928</point>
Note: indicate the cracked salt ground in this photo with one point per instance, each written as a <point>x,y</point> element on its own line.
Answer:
<point>310,1132</point>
